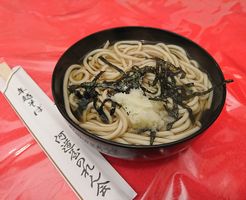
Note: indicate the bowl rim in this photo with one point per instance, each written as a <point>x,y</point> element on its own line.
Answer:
<point>140,147</point>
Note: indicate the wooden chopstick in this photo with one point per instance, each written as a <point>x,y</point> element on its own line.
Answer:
<point>5,70</point>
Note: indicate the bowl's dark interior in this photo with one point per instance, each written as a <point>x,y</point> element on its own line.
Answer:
<point>82,47</point>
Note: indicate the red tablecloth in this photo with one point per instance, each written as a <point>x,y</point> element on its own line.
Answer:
<point>35,33</point>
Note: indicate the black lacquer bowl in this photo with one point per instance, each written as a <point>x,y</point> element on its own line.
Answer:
<point>96,40</point>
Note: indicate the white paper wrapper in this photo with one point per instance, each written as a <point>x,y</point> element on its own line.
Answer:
<point>83,167</point>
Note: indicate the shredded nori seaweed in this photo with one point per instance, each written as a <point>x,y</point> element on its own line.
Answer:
<point>164,72</point>
<point>152,137</point>
<point>111,65</point>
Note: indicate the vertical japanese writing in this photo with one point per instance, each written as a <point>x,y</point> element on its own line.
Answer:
<point>87,170</point>
<point>28,99</point>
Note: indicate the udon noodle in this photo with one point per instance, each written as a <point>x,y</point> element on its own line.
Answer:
<point>103,67</point>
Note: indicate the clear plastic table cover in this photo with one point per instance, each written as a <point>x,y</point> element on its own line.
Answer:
<point>34,34</point>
